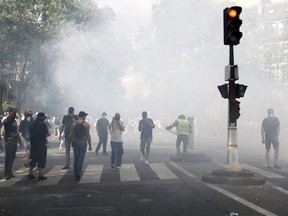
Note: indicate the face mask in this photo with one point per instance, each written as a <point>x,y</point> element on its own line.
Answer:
<point>28,119</point>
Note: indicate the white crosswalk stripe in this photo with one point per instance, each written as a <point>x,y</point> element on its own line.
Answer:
<point>92,174</point>
<point>53,175</point>
<point>163,172</point>
<point>128,172</point>
<point>20,173</point>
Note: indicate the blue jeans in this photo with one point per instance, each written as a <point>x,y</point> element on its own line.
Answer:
<point>67,152</point>
<point>116,154</point>
<point>79,149</point>
<point>10,151</point>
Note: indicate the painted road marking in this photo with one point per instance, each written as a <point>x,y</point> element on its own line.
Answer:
<point>92,174</point>
<point>20,173</point>
<point>163,172</point>
<point>53,176</point>
<point>128,172</point>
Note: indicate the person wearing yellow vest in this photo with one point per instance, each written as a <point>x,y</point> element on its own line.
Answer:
<point>183,129</point>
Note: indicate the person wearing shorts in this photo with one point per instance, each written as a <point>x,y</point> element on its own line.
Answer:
<point>270,136</point>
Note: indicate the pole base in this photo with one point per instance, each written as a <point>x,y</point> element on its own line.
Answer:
<point>241,178</point>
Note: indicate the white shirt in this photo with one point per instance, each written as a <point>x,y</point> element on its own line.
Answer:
<point>116,132</point>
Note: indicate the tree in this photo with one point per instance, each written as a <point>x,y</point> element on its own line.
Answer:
<point>26,25</point>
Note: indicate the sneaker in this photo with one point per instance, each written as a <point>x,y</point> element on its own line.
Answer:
<point>40,178</point>
<point>8,177</point>
<point>118,167</point>
<point>77,177</point>
<point>112,167</point>
<point>105,153</point>
<point>31,177</point>
<point>26,164</point>
<point>277,167</point>
<point>142,158</point>
<point>66,167</point>
<point>146,162</point>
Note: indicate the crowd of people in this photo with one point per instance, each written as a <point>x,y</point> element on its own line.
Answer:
<point>75,132</point>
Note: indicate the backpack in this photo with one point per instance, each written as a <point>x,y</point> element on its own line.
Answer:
<point>79,130</point>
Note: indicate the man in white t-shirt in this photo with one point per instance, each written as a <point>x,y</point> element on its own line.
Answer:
<point>116,128</point>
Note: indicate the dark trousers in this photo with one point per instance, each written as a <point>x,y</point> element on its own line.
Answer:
<point>10,151</point>
<point>116,154</point>
<point>102,140</point>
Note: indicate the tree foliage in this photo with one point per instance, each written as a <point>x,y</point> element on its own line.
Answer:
<point>26,25</point>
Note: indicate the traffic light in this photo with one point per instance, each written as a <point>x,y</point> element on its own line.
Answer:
<point>232,23</point>
<point>234,110</point>
<point>223,90</point>
<point>240,90</point>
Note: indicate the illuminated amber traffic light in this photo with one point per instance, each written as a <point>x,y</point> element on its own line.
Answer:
<point>232,23</point>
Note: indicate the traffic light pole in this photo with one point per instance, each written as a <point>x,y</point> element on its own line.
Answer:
<point>232,148</point>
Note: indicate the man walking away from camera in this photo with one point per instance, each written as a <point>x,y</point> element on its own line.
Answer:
<point>102,131</point>
<point>24,129</point>
<point>79,136</point>
<point>66,126</point>
<point>146,126</point>
<point>38,137</point>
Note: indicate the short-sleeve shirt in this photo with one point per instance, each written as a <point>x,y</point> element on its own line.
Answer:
<point>38,131</point>
<point>116,132</point>
<point>102,125</point>
<point>270,125</point>
<point>67,122</point>
<point>146,128</point>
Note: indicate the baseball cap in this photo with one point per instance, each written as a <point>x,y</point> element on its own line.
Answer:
<point>82,113</point>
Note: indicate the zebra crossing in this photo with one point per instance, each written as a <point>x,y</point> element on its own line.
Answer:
<point>99,173</point>
<point>92,174</point>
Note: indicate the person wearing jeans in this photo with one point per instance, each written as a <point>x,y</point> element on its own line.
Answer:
<point>79,144</point>
<point>116,127</point>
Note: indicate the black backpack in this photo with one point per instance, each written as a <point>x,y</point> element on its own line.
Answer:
<point>79,130</point>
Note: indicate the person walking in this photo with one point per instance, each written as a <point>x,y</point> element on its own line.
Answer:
<point>11,138</point>
<point>270,131</point>
<point>38,137</point>
<point>116,127</point>
<point>102,131</point>
<point>24,130</point>
<point>146,126</point>
<point>79,136</point>
<point>183,129</point>
<point>66,126</point>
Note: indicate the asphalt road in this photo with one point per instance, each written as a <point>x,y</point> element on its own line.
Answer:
<point>164,187</point>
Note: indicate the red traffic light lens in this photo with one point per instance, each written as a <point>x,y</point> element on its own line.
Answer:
<point>232,13</point>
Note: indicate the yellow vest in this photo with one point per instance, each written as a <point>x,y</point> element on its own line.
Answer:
<point>183,127</point>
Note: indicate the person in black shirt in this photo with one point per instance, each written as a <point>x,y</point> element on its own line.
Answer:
<point>66,126</point>
<point>24,130</point>
<point>102,131</point>
<point>145,126</point>
<point>11,137</point>
<point>38,137</point>
<point>270,132</point>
